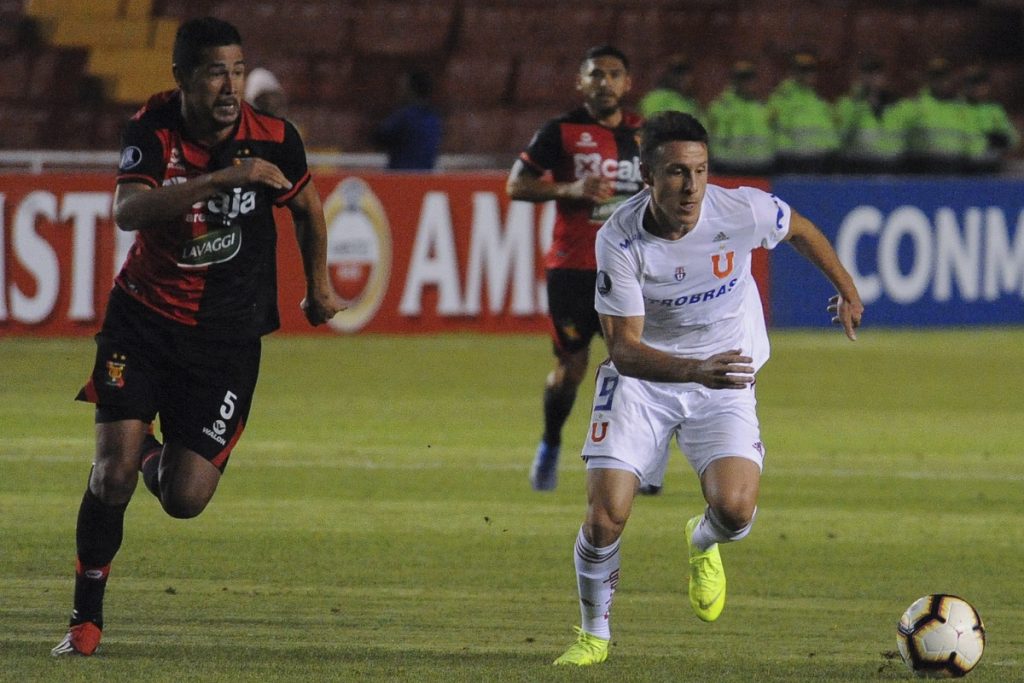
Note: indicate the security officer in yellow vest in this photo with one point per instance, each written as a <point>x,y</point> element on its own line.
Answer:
<point>742,139</point>
<point>872,126</point>
<point>806,138</point>
<point>673,92</point>
<point>993,137</point>
<point>939,132</point>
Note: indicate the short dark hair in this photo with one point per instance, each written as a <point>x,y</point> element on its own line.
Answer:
<point>669,126</point>
<point>607,51</point>
<point>420,83</point>
<point>196,35</point>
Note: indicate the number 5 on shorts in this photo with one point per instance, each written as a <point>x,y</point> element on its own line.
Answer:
<point>606,392</point>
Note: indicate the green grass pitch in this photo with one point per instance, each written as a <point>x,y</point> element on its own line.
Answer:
<point>375,522</point>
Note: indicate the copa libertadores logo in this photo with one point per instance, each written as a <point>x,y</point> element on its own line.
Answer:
<point>358,252</point>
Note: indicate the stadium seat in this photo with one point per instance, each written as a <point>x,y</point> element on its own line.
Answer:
<point>332,79</point>
<point>525,122</point>
<point>476,80</point>
<point>183,9</point>
<point>294,72</point>
<point>635,27</point>
<point>568,30</point>
<point>479,131</point>
<point>56,75</point>
<point>299,27</point>
<point>403,27</point>
<point>541,80</point>
<point>14,73</point>
<point>331,129</point>
<point>24,126</point>
<point>494,30</point>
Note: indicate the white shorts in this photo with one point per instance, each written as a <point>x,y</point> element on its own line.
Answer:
<point>633,422</point>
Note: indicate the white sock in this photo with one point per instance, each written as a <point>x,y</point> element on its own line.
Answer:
<point>597,575</point>
<point>710,531</point>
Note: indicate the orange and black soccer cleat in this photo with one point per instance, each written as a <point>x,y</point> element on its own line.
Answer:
<point>82,639</point>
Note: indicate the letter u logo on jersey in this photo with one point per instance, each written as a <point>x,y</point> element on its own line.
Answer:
<point>598,431</point>
<point>716,263</point>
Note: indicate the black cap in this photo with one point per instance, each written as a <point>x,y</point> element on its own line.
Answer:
<point>871,64</point>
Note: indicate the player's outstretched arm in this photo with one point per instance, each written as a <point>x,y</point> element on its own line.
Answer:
<point>634,358</point>
<point>137,206</point>
<point>321,303</point>
<point>526,185</point>
<point>846,307</point>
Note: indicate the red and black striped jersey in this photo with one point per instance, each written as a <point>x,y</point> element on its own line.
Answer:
<point>573,146</point>
<point>214,267</point>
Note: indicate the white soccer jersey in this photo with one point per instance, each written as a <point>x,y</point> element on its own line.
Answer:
<point>697,294</point>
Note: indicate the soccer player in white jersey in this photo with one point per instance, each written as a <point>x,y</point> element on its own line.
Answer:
<point>685,331</point>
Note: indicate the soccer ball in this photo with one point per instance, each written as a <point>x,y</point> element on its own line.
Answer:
<point>941,636</point>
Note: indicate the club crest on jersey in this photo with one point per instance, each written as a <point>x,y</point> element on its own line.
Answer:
<point>604,283</point>
<point>217,246</point>
<point>598,431</point>
<point>722,271</point>
<point>115,371</point>
<point>680,273</point>
<point>130,158</point>
<point>586,140</point>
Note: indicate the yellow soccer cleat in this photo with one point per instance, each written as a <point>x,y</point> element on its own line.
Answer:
<point>707,577</point>
<point>587,650</point>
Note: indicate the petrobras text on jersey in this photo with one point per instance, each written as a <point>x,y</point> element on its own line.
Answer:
<point>940,252</point>
<point>698,297</point>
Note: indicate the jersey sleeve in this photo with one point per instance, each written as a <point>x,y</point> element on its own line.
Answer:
<point>545,149</point>
<point>771,218</point>
<point>619,288</point>
<point>142,156</point>
<point>292,162</point>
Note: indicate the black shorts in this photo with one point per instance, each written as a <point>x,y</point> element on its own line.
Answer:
<point>571,307</point>
<point>146,366</point>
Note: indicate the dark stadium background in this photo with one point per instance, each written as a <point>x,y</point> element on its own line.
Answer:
<point>502,66</point>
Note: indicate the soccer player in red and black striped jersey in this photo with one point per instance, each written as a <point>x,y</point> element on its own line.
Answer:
<point>588,161</point>
<point>200,172</point>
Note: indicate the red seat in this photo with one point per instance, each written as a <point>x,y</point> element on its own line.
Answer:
<point>24,126</point>
<point>14,73</point>
<point>494,30</point>
<point>476,80</point>
<point>544,80</point>
<point>526,121</point>
<point>329,128</point>
<point>396,27</point>
<point>477,131</point>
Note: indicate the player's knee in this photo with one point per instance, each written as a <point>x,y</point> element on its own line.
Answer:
<point>183,505</point>
<point>603,527</point>
<point>113,485</point>
<point>735,512</point>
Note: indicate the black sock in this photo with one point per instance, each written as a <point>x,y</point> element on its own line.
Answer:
<point>98,538</point>
<point>557,406</point>
<point>150,465</point>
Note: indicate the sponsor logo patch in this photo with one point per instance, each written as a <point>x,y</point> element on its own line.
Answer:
<point>213,247</point>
